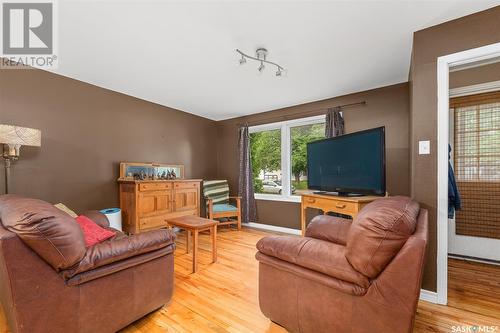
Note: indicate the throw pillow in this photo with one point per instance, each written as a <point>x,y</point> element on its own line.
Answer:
<point>92,232</point>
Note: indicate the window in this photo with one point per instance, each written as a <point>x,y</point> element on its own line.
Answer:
<point>477,143</point>
<point>477,164</point>
<point>279,157</point>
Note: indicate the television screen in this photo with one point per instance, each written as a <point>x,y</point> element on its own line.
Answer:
<point>351,163</point>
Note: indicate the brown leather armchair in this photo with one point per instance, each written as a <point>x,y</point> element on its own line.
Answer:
<point>347,276</point>
<point>50,282</point>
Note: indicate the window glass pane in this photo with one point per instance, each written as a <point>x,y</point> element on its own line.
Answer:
<point>477,143</point>
<point>490,143</point>
<point>466,144</point>
<point>489,168</point>
<point>466,119</point>
<point>265,149</point>
<point>299,137</point>
<point>489,116</point>
<point>466,169</point>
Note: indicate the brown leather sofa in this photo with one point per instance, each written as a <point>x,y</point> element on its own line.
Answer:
<point>353,276</point>
<point>50,282</point>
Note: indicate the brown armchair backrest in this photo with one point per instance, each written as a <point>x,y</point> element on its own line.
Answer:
<point>52,234</point>
<point>379,232</point>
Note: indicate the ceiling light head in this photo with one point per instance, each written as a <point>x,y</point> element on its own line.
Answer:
<point>261,67</point>
<point>279,72</point>
<point>242,60</point>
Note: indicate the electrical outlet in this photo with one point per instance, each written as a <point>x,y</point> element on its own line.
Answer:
<point>424,147</point>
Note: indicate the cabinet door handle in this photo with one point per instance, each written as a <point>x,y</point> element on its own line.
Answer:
<point>311,200</point>
<point>340,205</point>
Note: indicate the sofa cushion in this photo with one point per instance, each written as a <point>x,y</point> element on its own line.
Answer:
<point>92,232</point>
<point>120,248</point>
<point>318,255</point>
<point>378,232</point>
<point>329,228</point>
<point>50,232</point>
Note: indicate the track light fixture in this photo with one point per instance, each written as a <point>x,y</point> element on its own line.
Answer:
<point>260,55</point>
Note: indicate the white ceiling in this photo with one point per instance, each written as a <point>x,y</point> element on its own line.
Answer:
<point>182,54</point>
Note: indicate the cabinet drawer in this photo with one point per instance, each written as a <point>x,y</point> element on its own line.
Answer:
<point>186,185</point>
<point>152,222</point>
<point>154,186</point>
<point>342,207</point>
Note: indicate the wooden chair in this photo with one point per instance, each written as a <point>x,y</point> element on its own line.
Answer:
<point>216,193</point>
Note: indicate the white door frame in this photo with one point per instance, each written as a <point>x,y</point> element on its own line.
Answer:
<point>443,98</point>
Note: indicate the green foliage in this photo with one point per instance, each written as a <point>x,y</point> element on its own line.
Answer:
<point>265,150</point>
<point>300,137</point>
<point>257,185</point>
<point>302,185</point>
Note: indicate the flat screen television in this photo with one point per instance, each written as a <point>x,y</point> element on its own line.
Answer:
<point>349,164</point>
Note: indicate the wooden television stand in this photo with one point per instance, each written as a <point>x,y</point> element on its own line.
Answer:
<point>332,203</point>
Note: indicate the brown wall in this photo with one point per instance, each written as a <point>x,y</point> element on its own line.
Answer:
<point>465,33</point>
<point>475,75</point>
<point>87,131</point>
<point>388,106</point>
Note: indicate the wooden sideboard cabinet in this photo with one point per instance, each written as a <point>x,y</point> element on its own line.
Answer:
<point>147,204</point>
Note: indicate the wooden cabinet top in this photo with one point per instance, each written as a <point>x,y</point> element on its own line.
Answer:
<point>365,198</point>
<point>120,180</point>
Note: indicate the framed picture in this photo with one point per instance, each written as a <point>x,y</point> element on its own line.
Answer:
<point>150,171</point>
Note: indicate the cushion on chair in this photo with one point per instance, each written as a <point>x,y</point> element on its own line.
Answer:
<point>217,190</point>
<point>378,232</point>
<point>219,208</point>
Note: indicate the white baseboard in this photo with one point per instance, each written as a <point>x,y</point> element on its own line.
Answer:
<point>428,296</point>
<point>273,228</point>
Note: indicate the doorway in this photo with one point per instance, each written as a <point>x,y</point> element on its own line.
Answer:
<point>474,127</point>
<point>445,63</point>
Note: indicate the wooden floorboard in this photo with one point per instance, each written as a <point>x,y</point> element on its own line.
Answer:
<point>223,297</point>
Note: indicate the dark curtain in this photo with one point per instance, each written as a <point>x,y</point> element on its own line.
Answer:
<point>334,124</point>
<point>245,188</point>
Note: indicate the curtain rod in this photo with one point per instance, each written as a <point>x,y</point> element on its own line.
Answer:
<point>288,116</point>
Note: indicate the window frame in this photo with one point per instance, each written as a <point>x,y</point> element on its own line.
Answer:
<point>286,154</point>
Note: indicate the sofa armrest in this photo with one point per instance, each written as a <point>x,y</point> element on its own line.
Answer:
<point>98,217</point>
<point>329,228</point>
<point>314,254</point>
<point>114,250</point>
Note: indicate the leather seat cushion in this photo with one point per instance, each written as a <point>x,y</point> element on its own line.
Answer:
<point>318,255</point>
<point>51,233</point>
<point>378,232</point>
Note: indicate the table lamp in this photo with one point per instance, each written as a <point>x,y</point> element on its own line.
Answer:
<point>12,138</point>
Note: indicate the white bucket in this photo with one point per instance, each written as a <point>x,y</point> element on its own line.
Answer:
<point>114,216</point>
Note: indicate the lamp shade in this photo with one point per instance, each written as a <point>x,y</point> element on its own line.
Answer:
<point>24,136</point>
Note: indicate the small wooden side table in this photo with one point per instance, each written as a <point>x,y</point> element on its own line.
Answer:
<point>194,225</point>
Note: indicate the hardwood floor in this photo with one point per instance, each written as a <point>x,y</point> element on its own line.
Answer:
<point>473,300</point>
<point>223,297</point>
